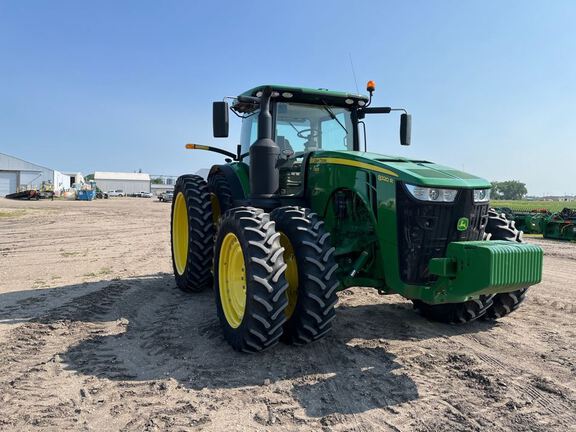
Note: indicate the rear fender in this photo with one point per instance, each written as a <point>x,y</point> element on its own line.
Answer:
<point>236,175</point>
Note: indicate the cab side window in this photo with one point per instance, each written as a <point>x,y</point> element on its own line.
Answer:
<point>249,133</point>
<point>334,132</point>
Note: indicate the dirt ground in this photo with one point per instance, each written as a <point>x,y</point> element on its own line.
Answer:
<point>94,335</point>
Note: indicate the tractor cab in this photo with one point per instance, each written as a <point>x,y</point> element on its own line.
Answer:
<point>303,121</point>
<point>298,130</point>
<point>298,122</point>
<point>282,127</point>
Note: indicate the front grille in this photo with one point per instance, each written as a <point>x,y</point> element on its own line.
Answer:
<point>426,228</point>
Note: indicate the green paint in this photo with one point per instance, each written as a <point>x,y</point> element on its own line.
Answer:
<point>242,171</point>
<point>378,235</point>
<point>413,171</point>
<point>368,235</point>
<point>469,269</point>
<point>480,267</point>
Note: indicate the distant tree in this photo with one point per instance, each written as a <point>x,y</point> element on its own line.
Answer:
<point>89,177</point>
<point>509,190</point>
<point>157,181</point>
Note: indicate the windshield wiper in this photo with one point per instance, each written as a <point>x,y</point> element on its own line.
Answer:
<point>333,116</point>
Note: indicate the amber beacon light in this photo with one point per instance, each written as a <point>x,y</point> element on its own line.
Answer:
<point>371,86</point>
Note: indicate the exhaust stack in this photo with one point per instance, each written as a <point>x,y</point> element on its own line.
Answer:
<point>264,153</point>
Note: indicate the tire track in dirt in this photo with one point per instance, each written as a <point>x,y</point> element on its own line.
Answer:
<point>471,340</point>
<point>548,399</point>
<point>48,243</point>
<point>152,316</point>
<point>520,379</point>
<point>30,357</point>
<point>27,305</point>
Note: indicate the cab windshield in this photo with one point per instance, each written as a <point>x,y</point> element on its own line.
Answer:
<point>304,127</point>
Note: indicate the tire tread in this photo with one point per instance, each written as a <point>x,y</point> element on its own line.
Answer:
<point>261,326</point>
<point>197,275</point>
<point>315,307</point>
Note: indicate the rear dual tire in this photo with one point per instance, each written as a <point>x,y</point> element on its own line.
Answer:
<point>192,234</point>
<point>220,195</point>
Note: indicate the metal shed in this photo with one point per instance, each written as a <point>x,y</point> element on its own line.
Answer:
<point>16,173</point>
<point>129,183</point>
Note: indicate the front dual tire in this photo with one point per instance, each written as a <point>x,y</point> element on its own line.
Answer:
<point>250,286</point>
<point>274,277</point>
<point>311,274</point>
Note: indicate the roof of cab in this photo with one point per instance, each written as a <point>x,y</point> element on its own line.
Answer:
<point>304,94</point>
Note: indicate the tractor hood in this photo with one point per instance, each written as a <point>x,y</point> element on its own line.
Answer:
<point>417,172</point>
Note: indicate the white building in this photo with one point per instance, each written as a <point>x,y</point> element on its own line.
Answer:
<point>75,177</point>
<point>18,174</point>
<point>129,183</point>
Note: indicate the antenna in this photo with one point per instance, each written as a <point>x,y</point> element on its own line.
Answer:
<point>353,72</point>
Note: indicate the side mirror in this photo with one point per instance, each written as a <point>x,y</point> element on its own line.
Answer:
<point>405,129</point>
<point>220,121</point>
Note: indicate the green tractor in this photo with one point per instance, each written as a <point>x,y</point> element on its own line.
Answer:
<point>299,213</point>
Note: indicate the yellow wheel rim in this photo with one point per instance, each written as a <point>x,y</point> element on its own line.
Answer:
<point>291,274</point>
<point>232,280</point>
<point>216,210</point>
<point>180,233</point>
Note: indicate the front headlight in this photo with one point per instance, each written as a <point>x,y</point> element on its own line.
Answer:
<point>481,195</point>
<point>432,194</point>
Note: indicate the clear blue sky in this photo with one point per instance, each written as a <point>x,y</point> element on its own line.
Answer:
<point>123,85</point>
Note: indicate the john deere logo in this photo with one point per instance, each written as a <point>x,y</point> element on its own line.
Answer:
<point>462,224</point>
